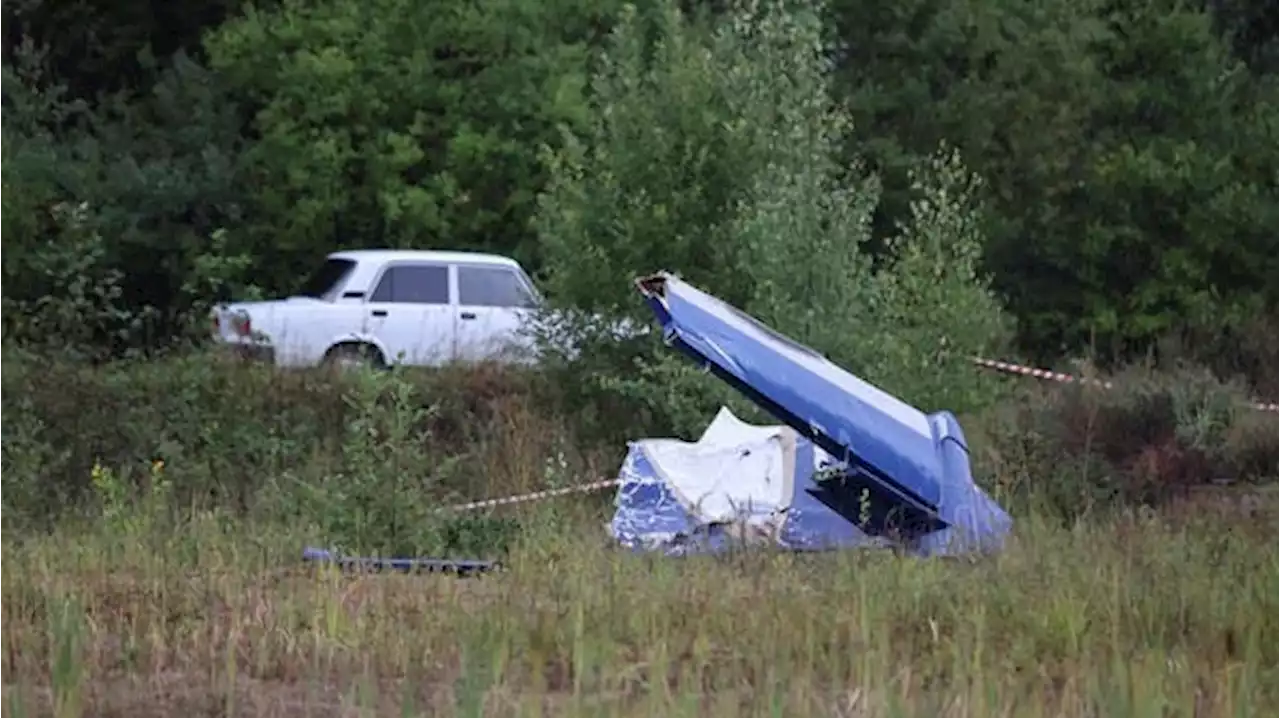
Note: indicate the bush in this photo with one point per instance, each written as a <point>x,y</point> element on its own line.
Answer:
<point>115,212</point>
<point>365,459</point>
<point>1153,437</point>
<point>1247,352</point>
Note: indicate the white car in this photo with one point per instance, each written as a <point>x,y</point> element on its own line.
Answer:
<point>386,306</point>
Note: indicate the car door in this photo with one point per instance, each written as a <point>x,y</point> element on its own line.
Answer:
<point>411,314</point>
<point>494,302</point>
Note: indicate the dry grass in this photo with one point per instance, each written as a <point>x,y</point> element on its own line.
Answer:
<point>1152,613</point>
<point>1144,615</point>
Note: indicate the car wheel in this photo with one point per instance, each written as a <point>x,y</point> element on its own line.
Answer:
<point>346,357</point>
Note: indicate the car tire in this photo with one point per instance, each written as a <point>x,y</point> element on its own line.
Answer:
<point>347,357</point>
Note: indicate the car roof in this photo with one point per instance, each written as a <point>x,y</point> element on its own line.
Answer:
<point>433,255</point>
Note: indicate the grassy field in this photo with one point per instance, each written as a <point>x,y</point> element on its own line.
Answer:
<point>1137,615</point>
<point>176,588</point>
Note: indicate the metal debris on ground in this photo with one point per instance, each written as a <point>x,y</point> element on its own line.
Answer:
<point>358,564</point>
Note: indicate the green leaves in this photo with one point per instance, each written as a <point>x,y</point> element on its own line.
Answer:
<point>1114,140</point>
<point>151,179</point>
<point>742,192</point>
<point>397,123</point>
<point>1124,192</point>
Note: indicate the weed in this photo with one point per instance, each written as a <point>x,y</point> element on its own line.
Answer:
<point>174,596</point>
<point>1133,614</point>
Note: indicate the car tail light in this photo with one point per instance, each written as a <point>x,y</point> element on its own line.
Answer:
<point>243,326</point>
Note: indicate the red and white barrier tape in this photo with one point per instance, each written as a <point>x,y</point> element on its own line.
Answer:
<point>1068,378</point>
<point>1006,367</point>
<point>536,495</point>
<point>1037,373</point>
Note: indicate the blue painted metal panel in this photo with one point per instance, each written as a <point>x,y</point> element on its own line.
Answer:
<point>400,565</point>
<point>892,443</point>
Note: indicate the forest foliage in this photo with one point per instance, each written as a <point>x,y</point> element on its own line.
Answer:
<point>1117,155</point>
<point>725,144</point>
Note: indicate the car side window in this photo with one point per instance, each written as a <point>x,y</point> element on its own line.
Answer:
<point>413,284</point>
<point>492,287</point>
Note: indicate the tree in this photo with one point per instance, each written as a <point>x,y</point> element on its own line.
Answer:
<point>398,122</point>
<point>113,211</point>
<point>1119,141</point>
<point>95,48</point>
<point>714,151</point>
<point>1250,29</point>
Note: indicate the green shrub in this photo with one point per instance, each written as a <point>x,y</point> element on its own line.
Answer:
<point>742,193</point>
<point>1152,437</point>
<point>367,459</point>
<point>1246,352</point>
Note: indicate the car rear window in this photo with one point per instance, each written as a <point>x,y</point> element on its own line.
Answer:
<point>324,280</point>
<point>493,287</point>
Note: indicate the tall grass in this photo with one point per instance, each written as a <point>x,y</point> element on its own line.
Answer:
<point>1141,615</point>
<point>167,580</point>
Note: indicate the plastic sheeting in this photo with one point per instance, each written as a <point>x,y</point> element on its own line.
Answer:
<point>741,484</point>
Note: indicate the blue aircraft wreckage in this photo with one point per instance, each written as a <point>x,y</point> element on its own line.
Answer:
<point>849,466</point>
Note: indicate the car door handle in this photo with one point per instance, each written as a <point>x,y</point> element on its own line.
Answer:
<point>468,315</point>
<point>379,312</point>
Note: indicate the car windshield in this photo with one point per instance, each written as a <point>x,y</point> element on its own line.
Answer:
<point>324,280</point>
